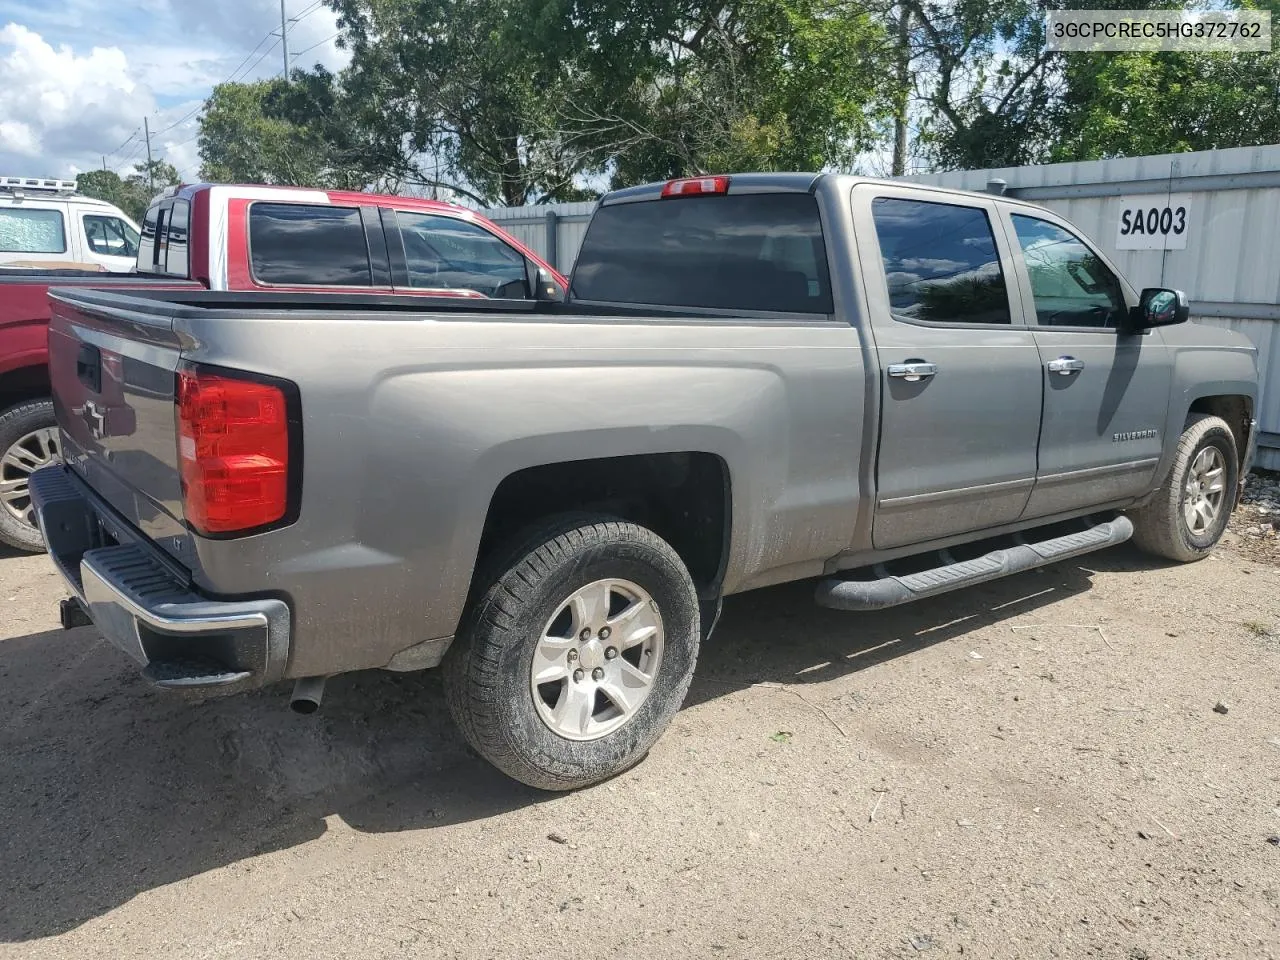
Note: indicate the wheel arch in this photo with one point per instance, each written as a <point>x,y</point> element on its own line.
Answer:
<point>24,384</point>
<point>686,497</point>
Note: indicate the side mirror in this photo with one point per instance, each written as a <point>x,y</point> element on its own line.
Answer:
<point>1159,307</point>
<point>542,285</point>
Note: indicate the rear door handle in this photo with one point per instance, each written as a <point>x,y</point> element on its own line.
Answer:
<point>1065,366</point>
<point>913,370</point>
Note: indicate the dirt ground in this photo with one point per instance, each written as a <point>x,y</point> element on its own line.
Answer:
<point>1033,768</point>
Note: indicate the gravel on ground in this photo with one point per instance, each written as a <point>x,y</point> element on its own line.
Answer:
<point>1078,762</point>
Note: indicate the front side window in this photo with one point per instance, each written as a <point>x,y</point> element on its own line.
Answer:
<point>940,261</point>
<point>110,236</point>
<point>31,231</point>
<point>1071,286</point>
<point>445,253</point>
<point>308,244</point>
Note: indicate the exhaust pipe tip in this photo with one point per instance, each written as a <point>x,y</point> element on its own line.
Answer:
<point>307,694</point>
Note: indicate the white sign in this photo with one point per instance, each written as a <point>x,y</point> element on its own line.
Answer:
<point>1154,222</point>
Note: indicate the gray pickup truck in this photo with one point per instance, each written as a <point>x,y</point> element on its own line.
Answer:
<point>893,390</point>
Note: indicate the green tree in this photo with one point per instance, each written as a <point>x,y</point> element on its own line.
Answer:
<point>528,101</point>
<point>1130,104</point>
<point>984,81</point>
<point>106,185</point>
<point>132,194</point>
<point>758,85</point>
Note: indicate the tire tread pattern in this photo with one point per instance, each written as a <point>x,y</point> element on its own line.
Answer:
<point>1159,527</point>
<point>512,583</point>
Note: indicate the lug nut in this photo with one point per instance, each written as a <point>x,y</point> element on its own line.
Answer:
<point>611,653</point>
<point>585,635</point>
<point>604,633</point>
<point>573,655</point>
<point>578,675</point>
<point>597,673</point>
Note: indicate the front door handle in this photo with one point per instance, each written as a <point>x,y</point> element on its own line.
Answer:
<point>913,370</point>
<point>1065,366</point>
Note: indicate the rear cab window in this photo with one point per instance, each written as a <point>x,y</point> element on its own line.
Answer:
<point>32,230</point>
<point>300,244</point>
<point>761,251</point>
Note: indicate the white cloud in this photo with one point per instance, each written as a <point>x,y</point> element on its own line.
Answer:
<point>75,83</point>
<point>60,107</point>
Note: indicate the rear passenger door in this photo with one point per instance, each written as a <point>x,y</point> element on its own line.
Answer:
<point>1106,393</point>
<point>960,380</point>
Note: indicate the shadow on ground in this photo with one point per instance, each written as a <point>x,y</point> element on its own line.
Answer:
<point>110,788</point>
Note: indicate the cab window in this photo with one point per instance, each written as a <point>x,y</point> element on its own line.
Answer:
<point>940,262</point>
<point>446,253</point>
<point>31,231</point>
<point>1072,287</point>
<point>110,236</point>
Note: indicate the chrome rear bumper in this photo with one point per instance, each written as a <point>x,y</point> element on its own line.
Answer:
<point>147,607</point>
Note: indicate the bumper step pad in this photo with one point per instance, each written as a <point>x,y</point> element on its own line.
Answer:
<point>889,591</point>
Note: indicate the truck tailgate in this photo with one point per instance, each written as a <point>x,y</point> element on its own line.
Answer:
<point>113,376</point>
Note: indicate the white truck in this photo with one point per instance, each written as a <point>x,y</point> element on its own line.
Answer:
<point>45,224</point>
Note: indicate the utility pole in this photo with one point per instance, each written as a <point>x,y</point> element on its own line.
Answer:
<point>104,163</point>
<point>284,40</point>
<point>151,176</point>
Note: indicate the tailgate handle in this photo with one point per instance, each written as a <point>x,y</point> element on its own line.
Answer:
<point>89,367</point>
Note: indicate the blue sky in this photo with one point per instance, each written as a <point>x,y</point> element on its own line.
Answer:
<point>78,76</point>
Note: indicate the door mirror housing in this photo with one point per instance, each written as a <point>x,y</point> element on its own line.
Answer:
<point>542,285</point>
<point>1159,307</point>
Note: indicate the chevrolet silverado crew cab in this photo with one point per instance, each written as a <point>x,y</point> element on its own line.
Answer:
<point>216,237</point>
<point>894,390</point>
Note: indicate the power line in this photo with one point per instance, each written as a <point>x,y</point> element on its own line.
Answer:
<point>266,53</point>
<point>124,144</point>
<point>177,123</point>
<point>246,59</point>
<point>314,45</point>
<point>307,12</point>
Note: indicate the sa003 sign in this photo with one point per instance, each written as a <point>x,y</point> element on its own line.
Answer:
<point>1154,222</point>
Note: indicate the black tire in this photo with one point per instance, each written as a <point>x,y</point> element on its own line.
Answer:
<point>1160,527</point>
<point>15,424</point>
<point>487,671</point>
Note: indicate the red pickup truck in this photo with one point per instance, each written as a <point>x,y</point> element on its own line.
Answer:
<point>250,238</point>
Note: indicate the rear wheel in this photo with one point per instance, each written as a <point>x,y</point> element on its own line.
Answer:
<point>577,654</point>
<point>1187,516</point>
<point>29,440</point>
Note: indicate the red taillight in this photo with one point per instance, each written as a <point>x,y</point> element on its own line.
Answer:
<point>233,451</point>
<point>695,186</point>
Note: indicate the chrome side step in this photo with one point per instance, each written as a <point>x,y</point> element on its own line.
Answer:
<point>889,591</point>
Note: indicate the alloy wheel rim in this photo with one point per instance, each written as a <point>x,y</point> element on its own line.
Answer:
<point>33,450</point>
<point>596,659</point>
<point>1205,490</point>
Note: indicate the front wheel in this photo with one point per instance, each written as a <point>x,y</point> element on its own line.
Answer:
<point>577,654</point>
<point>28,441</point>
<point>1187,516</point>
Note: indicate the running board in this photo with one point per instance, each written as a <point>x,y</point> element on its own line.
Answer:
<point>889,591</point>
